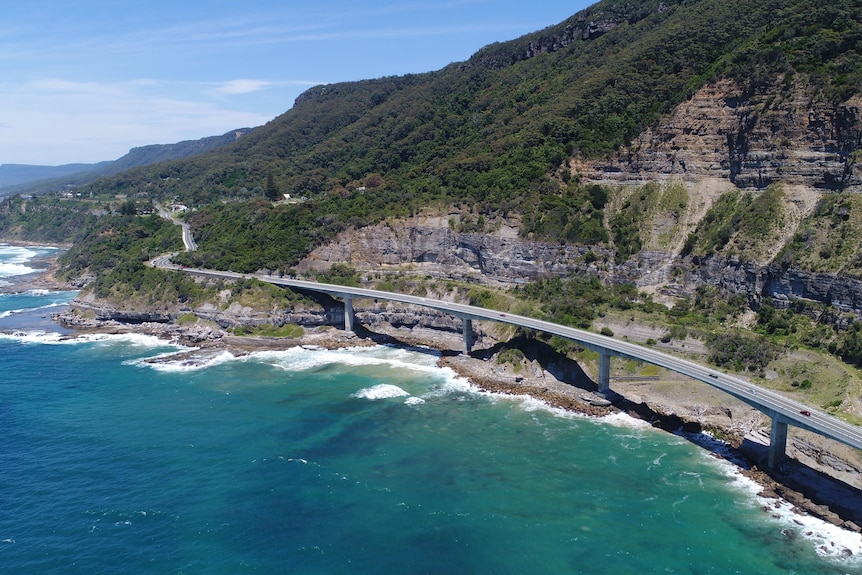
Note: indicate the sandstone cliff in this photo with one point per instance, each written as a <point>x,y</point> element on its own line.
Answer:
<point>426,246</point>
<point>752,141</point>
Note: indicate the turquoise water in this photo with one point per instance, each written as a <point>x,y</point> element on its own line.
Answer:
<point>352,461</point>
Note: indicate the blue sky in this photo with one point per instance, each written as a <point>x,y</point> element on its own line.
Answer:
<point>86,80</point>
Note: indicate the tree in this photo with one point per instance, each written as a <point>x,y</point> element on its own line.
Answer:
<point>272,192</point>
<point>129,208</point>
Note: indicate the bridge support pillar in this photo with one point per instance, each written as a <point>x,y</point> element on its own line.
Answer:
<point>348,314</point>
<point>777,442</point>
<point>467,330</point>
<point>604,381</point>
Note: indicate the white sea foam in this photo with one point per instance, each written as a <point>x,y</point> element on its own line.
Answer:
<point>299,359</point>
<point>307,358</point>
<point>829,541</point>
<point>381,391</point>
<point>54,338</point>
<point>33,337</point>
<point>9,312</point>
<point>13,260</point>
<point>134,339</point>
<point>16,254</point>
<point>183,363</point>
<point>10,269</point>
<point>621,419</point>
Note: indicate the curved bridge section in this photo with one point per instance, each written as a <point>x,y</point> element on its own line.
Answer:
<point>782,410</point>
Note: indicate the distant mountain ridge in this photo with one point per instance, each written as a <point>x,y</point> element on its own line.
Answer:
<point>17,174</point>
<point>16,178</point>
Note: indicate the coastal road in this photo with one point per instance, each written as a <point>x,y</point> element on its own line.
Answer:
<point>188,238</point>
<point>770,402</point>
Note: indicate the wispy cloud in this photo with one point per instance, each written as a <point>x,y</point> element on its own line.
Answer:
<point>244,86</point>
<point>249,86</point>
<point>123,74</point>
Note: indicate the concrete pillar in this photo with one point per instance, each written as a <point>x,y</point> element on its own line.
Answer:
<point>467,329</point>
<point>348,314</point>
<point>777,442</point>
<point>604,372</point>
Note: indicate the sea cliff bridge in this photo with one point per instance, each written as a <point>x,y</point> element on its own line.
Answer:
<point>782,410</point>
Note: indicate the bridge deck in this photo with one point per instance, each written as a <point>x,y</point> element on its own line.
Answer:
<point>781,409</point>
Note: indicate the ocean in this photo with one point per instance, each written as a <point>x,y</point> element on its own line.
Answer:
<point>118,458</point>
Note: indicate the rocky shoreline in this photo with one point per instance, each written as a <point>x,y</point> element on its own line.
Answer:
<point>807,490</point>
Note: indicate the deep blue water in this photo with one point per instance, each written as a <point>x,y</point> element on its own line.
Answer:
<point>352,461</point>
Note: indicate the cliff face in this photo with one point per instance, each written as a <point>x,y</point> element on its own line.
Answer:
<point>431,245</point>
<point>780,284</point>
<point>752,141</point>
<point>426,246</point>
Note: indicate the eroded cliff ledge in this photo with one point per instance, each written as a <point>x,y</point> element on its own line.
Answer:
<point>751,140</point>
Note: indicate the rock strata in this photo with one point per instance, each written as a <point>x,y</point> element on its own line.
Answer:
<point>431,247</point>
<point>750,140</point>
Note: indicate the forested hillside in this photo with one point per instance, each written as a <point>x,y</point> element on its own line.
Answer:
<point>498,131</point>
<point>690,163</point>
<point>505,134</point>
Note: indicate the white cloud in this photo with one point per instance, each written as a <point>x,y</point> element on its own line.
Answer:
<point>55,121</point>
<point>243,86</point>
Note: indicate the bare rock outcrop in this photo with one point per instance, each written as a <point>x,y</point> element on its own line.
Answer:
<point>752,140</point>
<point>430,247</point>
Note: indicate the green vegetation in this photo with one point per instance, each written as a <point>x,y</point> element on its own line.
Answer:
<point>495,133</point>
<point>266,330</point>
<point>187,319</point>
<point>628,223</point>
<point>740,223</point>
<point>829,239</point>
<point>512,356</point>
<point>740,351</point>
<point>339,274</point>
<point>47,219</point>
<point>718,225</point>
<point>707,307</point>
<point>576,301</point>
<point>115,248</point>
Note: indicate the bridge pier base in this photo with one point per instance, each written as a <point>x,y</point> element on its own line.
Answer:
<point>348,314</point>
<point>467,330</point>
<point>604,381</point>
<point>777,442</point>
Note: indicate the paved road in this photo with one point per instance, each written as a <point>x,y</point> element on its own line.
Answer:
<point>188,238</point>
<point>768,401</point>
